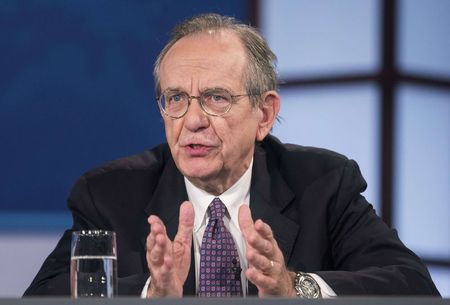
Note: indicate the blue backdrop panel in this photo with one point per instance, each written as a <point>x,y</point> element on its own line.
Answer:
<point>76,89</point>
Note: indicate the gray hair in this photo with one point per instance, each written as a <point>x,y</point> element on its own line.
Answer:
<point>260,75</point>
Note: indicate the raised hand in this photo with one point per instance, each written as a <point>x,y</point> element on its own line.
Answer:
<point>266,267</point>
<point>169,261</point>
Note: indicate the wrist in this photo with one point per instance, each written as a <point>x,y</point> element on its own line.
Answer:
<point>292,291</point>
<point>155,292</point>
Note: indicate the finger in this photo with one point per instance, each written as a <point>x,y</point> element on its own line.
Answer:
<point>155,255</point>
<point>262,281</point>
<point>186,223</point>
<point>150,243</point>
<point>160,259</point>
<point>259,243</point>
<point>157,242</point>
<point>267,244</point>
<point>261,262</point>
<point>253,237</point>
<point>161,277</point>
<point>151,237</point>
<point>245,220</point>
<point>156,225</point>
<point>264,229</point>
<point>156,228</point>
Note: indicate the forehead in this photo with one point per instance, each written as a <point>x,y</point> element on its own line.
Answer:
<point>214,58</point>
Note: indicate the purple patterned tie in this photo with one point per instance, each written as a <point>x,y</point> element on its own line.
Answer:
<point>220,271</point>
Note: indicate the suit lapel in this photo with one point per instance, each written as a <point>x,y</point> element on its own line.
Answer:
<point>167,198</point>
<point>269,196</point>
<point>165,203</point>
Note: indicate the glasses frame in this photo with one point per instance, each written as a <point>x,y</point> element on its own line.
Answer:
<point>200,100</point>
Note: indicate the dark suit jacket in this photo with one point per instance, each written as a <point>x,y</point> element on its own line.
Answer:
<point>310,197</point>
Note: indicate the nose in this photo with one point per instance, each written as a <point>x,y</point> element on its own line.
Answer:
<point>196,119</point>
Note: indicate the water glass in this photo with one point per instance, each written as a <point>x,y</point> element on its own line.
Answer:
<point>93,264</point>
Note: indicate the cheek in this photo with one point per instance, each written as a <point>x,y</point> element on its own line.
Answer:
<point>239,135</point>
<point>172,131</point>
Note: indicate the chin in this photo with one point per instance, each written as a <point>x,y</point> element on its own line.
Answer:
<point>198,169</point>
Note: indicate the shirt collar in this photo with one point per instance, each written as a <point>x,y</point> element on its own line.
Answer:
<point>233,198</point>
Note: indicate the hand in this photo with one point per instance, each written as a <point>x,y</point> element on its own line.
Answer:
<point>167,261</point>
<point>266,266</point>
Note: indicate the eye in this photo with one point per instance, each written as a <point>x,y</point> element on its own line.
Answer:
<point>174,97</point>
<point>218,98</point>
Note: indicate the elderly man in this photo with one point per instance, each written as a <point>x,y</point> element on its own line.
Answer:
<point>314,234</point>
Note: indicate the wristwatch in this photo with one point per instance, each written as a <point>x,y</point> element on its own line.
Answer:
<point>306,286</point>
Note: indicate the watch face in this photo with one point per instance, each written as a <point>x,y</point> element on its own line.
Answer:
<point>307,287</point>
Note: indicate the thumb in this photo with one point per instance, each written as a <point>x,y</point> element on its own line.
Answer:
<point>245,219</point>
<point>185,223</point>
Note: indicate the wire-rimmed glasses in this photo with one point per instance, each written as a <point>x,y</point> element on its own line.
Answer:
<point>214,102</point>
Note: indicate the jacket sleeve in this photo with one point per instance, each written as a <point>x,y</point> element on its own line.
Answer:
<point>53,279</point>
<point>369,256</point>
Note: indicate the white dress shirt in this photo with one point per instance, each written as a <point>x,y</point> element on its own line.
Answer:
<point>233,198</point>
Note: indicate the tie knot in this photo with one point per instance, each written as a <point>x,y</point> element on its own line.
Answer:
<point>217,209</point>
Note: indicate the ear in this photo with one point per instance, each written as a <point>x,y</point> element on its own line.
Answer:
<point>269,108</point>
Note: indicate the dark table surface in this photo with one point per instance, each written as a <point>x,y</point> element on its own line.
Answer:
<point>231,301</point>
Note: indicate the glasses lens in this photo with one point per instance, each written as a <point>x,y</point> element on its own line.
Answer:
<point>174,103</point>
<point>217,101</point>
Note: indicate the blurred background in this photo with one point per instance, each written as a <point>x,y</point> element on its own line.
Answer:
<point>367,78</point>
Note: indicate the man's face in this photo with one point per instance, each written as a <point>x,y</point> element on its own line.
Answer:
<point>212,152</point>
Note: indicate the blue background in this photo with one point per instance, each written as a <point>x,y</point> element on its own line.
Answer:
<point>76,89</point>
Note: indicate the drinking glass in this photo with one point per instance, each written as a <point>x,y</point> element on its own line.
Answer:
<point>93,264</point>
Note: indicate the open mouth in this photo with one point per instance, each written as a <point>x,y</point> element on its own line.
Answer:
<point>197,150</point>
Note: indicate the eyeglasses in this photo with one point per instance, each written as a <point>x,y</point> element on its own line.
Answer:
<point>214,102</point>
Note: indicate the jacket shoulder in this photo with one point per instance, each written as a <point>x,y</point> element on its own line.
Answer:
<point>307,159</point>
<point>117,192</point>
<point>151,160</point>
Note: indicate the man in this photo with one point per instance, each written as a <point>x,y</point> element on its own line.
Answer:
<point>315,235</point>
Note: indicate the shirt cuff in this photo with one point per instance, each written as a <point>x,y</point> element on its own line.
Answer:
<point>325,289</point>
<point>144,291</point>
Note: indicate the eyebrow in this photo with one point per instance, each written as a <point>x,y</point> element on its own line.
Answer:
<point>173,89</point>
<point>179,89</point>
